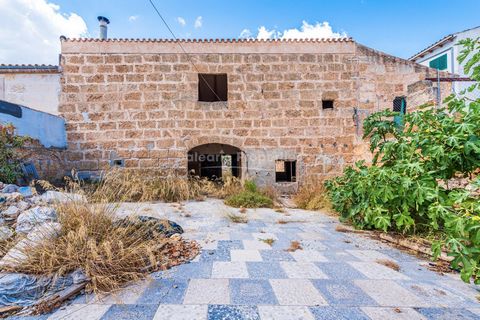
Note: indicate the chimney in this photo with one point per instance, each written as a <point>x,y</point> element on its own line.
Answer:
<point>102,21</point>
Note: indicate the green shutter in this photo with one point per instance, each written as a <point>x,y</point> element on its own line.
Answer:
<point>439,63</point>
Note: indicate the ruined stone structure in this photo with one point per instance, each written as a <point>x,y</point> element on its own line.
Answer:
<point>294,108</point>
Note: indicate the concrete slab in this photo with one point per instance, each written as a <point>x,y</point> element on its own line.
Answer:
<point>284,313</point>
<point>181,312</point>
<point>229,270</point>
<point>245,255</point>
<point>296,292</point>
<point>376,313</point>
<point>302,270</point>
<point>390,294</point>
<point>207,291</point>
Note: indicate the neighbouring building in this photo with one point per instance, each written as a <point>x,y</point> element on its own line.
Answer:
<point>279,112</point>
<point>34,86</point>
<point>29,97</point>
<point>443,55</point>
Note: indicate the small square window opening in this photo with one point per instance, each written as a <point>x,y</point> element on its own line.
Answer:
<point>400,105</point>
<point>117,163</point>
<point>212,87</point>
<point>327,104</point>
<point>285,171</point>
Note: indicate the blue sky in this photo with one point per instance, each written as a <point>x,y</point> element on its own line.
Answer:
<point>400,27</point>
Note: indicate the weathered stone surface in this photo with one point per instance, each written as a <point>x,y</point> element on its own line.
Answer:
<point>23,205</point>
<point>11,212</point>
<point>10,188</point>
<point>162,226</point>
<point>13,197</point>
<point>43,232</point>
<point>57,196</point>
<point>5,233</point>
<point>27,220</point>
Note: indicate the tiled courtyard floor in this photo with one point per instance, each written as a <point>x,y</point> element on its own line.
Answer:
<point>238,276</point>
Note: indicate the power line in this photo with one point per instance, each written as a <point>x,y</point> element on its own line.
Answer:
<point>183,49</point>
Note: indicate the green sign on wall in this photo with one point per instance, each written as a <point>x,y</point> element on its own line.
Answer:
<point>439,63</point>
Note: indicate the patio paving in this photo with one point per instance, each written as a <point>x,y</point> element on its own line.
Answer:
<point>238,276</point>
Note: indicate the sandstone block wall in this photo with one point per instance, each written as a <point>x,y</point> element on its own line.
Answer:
<point>138,100</point>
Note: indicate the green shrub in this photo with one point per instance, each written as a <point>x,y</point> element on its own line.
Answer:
<point>250,186</point>
<point>406,188</point>
<point>9,159</point>
<point>249,197</point>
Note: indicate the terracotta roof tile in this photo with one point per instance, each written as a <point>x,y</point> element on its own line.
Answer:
<point>28,68</point>
<point>206,40</point>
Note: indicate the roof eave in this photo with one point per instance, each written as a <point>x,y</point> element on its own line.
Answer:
<point>429,49</point>
<point>28,68</point>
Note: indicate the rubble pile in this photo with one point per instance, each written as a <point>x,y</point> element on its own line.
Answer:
<point>27,219</point>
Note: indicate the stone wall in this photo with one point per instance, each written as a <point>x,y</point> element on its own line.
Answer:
<point>137,100</point>
<point>49,162</point>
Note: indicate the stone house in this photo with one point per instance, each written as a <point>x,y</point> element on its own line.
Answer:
<point>276,111</point>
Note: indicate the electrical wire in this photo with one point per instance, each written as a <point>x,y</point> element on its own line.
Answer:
<point>183,49</point>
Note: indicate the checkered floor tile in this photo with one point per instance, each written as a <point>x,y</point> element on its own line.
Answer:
<point>239,275</point>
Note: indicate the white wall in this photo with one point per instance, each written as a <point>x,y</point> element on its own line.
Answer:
<point>34,90</point>
<point>449,49</point>
<point>453,50</point>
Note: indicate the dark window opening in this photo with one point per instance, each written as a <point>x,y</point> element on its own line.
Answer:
<point>327,104</point>
<point>117,163</point>
<point>285,171</point>
<point>212,87</point>
<point>400,105</point>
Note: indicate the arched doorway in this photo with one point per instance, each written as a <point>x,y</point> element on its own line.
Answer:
<point>214,160</point>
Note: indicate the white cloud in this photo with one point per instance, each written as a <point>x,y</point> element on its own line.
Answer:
<point>306,31</point>
<point>198,22</point>
<point>264,33</point>
<point>245,34</point>
<point>30,30</point>
<point>132,18</point>
<point>181,21</point>
<point>310,31</point>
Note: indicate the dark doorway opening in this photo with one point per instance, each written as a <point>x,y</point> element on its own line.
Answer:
<point>214,161</point>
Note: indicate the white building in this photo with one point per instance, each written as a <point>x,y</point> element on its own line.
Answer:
<point>33,86</point>
<point>443,55</point>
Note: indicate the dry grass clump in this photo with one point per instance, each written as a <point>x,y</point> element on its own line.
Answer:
<point>227,186</point>
<point>6,245</point>
<point>269,241</point>
<point>237,218</point>
<point>123,185</point>
<point>270,192</point>
<point>294,246</point>
<point>342,228</point>
<point>110,252</point>
<point>389,264</point>
<point>312,196</point>
<point>281,221</point>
